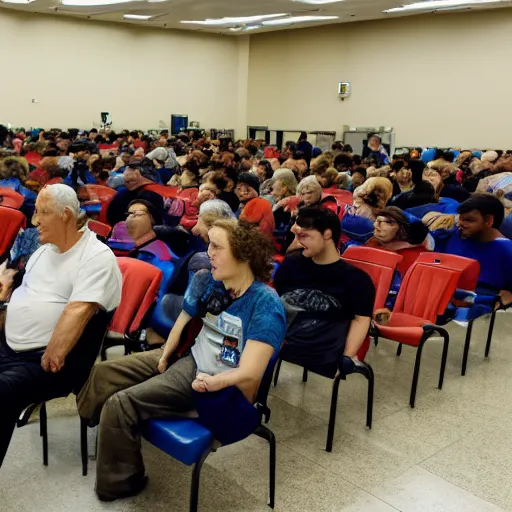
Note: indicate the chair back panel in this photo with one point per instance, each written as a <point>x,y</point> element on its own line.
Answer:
<point>379,265</point>
<point>469,268</point>
<point>163,190</point>
<point>141,282</point>
<point>10,198</point>
<point>426,291</point>
<point>11,221</point>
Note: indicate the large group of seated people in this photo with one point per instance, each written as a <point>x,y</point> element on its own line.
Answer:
<point>258,234</point>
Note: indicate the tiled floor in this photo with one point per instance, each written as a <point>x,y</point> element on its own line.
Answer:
<point>452,453</point>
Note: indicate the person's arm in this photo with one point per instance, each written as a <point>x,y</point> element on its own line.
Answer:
<point>173,340</point>
<point>70,327</point>
<point>246,377</point>
<point>357,333</point>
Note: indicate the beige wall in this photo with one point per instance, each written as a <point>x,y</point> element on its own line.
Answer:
<point>438,79</point>
<point>77,69</point>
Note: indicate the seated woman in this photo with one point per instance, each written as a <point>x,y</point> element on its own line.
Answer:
<point>283,187</point>
<point>210,211</point>
<point>243,325</point>
<point>141,218</point>
<point>402,233</point>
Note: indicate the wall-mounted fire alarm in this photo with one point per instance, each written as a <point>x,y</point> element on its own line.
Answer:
<point>343,90</point>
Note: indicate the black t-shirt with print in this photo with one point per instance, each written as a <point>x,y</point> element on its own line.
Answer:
<point>351,287</point>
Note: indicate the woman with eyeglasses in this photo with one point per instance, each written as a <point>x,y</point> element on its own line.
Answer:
<point>141,218</point>
<point>400,232</point>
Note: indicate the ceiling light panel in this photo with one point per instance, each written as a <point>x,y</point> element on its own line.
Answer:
<point>440,4</point>
<point>317,2</point>
<point>93,3</point>
<point>297,19</point>
<point>143,17</point>
<point>235,21</point>
<point>20,2</point>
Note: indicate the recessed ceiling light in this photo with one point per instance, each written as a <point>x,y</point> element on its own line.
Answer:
<point>236,29</point>
<point>137,17</point>
<point>17,1</point>
<point>253,27</point>
<point>317,2</point>
<point>298,19</point>
<point>235,21</point>
<point>92,3</point>
<point>439,4</point>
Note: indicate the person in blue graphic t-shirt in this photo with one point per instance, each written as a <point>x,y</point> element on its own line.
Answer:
<point>244,324</point>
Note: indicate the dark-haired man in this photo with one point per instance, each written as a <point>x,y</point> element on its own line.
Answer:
<point>329,302</point>
<point>477,236</point>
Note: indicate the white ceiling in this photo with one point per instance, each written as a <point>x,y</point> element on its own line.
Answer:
<point>171,13</point>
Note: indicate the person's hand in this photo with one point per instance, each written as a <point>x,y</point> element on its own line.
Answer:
<point>205,383</point>
<point>506,298</point>
<point>52,361</point>
<point>163,364</point>
<point>6,279</point>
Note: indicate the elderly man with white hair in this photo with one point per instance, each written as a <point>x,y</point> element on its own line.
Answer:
<point>67,281</point>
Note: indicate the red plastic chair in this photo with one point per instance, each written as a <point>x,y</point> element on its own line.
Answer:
<point>11,221</point>
<point>141,282</point>
<point>424,294</point>
<point>470,272</point>
<point>163,190</point>
<point>189,194</point>
<point>99,228</point>
<point>96,193</point>
<point>10,198</point>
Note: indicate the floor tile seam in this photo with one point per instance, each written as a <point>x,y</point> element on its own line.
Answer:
<point>463,489</point>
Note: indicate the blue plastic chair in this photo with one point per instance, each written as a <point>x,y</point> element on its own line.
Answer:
<point>189,442</point>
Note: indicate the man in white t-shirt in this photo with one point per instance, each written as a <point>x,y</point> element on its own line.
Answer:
<point>68,280</point>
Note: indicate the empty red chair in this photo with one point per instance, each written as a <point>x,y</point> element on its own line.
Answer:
<point>424,294</point>
<point>141,282</point>
<point>470,272</point>
<point>163,190</point>
<point>99,228</point>
<point>469,269</point>
<point>11,221</point>
<point>10,198</point>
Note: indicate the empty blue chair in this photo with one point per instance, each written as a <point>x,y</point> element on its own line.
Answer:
<point>190,442</point>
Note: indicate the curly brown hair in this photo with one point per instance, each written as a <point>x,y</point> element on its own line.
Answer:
<point>250,245</point>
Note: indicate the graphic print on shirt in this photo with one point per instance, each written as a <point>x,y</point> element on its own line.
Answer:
<point>225,332</point>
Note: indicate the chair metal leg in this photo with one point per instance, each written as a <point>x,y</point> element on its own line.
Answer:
<point>467,342</point>
<point>369,404</point>
<point>43,429</point>
<point>489,334</point>
<point>399,350</point>
<point>446,343</point>
<point>266,433</point>
<point>196,474</point>
<point>278,369</point>
<point>416,374</point>
<point>304,375</point>
<point>83,445</point>
<point>332,414</point>
<point>376,340</point>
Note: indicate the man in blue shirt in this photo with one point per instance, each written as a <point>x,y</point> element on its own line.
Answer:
<point>477,236</point>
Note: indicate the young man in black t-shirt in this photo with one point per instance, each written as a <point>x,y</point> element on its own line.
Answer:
<point>328,301</point>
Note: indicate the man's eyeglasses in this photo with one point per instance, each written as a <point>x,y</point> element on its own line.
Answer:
<point>135,214</point>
